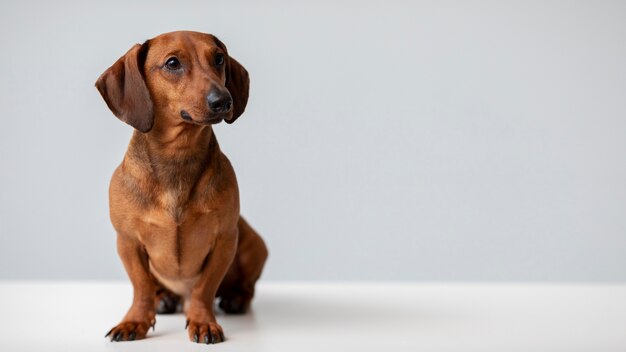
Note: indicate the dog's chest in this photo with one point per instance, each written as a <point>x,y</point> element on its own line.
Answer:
<point>172,202</point>
<point>178,237</point>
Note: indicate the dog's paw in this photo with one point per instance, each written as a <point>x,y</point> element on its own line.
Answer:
<point>205,332</point>
<point>129,331</point>
<point>234,305</point>
<point>166,303</point>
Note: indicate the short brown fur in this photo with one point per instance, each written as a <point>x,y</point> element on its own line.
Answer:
<point>174,200</point>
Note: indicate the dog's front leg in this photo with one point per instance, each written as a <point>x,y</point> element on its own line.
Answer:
<point>141,314</point>
<point>201,324</point>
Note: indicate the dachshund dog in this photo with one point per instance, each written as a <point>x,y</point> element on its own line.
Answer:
<point>174,200</point>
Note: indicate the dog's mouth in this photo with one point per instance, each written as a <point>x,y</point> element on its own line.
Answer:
<point>208,119</point>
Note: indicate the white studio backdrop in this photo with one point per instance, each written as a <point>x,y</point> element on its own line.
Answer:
<point>383,140</point>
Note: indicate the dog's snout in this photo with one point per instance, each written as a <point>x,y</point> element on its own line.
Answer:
<point>219,102</point>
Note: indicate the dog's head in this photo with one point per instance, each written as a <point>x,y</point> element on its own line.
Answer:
<point>187,76</point>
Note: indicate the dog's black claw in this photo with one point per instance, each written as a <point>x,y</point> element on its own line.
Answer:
<point>117,336</point>
<point>186,324</point>
<point>222,336</point>
<point>196,338</point>
<point>212,337</point>
<point>109,333</point>
<point>132,336</point>
<point>206,339</point>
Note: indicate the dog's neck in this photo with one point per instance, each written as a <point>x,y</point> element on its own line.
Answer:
<point>175,156</point>
<point>178,139</point>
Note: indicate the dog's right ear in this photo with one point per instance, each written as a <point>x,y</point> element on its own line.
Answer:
<point>124,89</point>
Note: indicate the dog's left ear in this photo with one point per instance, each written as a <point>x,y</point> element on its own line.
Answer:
<point>124,89</point>
<point>237,83</point>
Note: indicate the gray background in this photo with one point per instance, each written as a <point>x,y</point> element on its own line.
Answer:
<point>383,140</point>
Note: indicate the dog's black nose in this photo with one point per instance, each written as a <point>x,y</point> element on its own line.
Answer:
<point>219,102</point>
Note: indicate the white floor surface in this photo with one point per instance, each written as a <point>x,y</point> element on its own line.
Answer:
<point>302,317</point>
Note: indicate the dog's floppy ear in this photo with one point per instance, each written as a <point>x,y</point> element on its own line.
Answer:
<point>237,83</point>
<point>124,89</point>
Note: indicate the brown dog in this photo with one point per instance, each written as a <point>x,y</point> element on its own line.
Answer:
<point>174,200</point>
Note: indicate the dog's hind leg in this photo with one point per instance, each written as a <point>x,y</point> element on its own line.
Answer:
<point>237,288</point>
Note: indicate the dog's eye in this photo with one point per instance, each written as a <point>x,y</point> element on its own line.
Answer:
<point>172,64</point>
<point>219,59</point>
